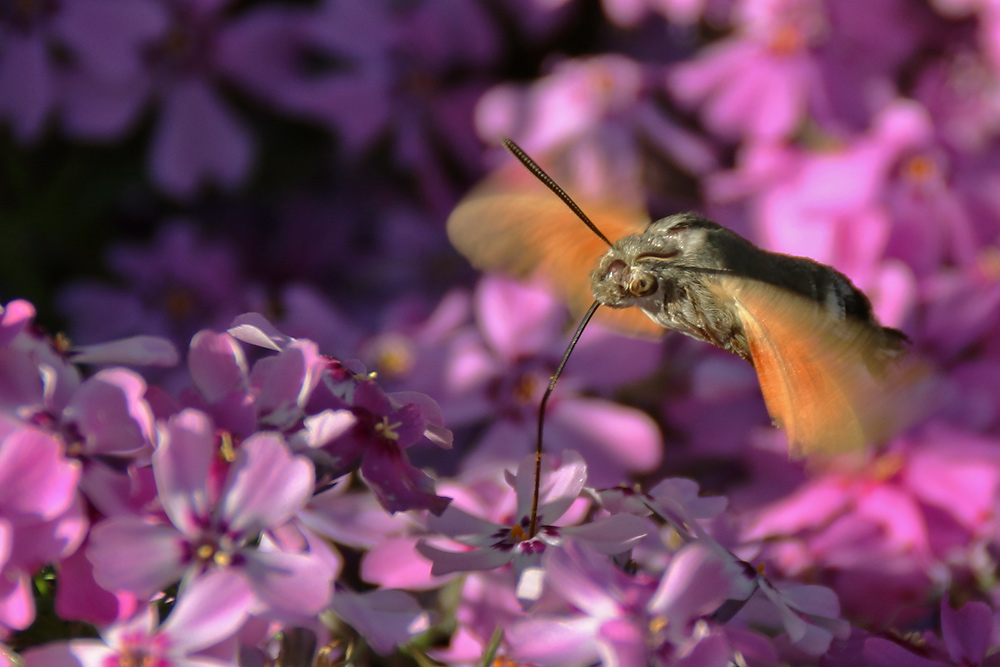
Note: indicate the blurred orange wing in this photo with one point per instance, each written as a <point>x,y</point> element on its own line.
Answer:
<point>513,224</point>
<point>814,371</point>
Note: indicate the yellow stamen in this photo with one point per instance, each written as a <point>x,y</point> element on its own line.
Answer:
<point>388,430</point>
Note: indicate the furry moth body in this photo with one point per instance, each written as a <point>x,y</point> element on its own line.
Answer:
<point>828,370</point>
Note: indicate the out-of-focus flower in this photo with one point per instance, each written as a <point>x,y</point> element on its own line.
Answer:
<point>102,36</point>
<point>174,286</point>
<point>592,119</point>
<point>501,374</point>
<point>780,66</point>
<point>889,529</point>
<point>498,545</point>
<point>197,138</point>
<point>370,78</point>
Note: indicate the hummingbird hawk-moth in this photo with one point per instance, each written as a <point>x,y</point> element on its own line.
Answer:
<point>829,372</point>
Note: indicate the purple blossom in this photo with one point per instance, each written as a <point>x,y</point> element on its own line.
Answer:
<point>103,37</point>
<point>177,284</point>
<point>498,545</point>
<point>198,139</point>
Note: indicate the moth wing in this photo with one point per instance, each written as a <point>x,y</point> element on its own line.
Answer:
<point>815,371</point>
<point>513,224</point>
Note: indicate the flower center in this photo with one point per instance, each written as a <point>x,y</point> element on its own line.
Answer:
<point>387,430</point>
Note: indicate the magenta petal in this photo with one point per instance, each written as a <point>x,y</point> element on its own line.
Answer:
<point>613,439</point>
<point>967,632</point>
<point>17,604</point>
<point>217,365</point>
<point>285,382</point>
<point>78,597</point>
<point>14,317</point>
<point>398,485</point>
<point>694,584</point>
<point>36,481</point>
<point>562,641</point>
<point>296,583</point>
<point>625,641</point>
<point>394,563</point>
<point>134,556</point>
<point>110,412</point>
<point>516,319</point>
<point>181,465</point>
<point>266,485</point>
<point>198,140</point>
<point>209,611</point>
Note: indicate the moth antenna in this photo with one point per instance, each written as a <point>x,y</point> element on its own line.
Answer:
<point>540,174</point>
<point>541,411</point>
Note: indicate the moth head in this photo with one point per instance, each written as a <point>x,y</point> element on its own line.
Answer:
<point>641,268</point>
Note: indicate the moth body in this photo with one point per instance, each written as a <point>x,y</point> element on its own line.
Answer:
<point>674,271</point>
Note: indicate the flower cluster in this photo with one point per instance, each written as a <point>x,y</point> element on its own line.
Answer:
<point>341,469</point>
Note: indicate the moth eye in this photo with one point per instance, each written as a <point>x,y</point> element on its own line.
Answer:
<point>642,285</point>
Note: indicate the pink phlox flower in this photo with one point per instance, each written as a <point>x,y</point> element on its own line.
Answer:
<point>214,519</point>
<point>495,545</point>
<point>205,616</point>
<point>371,433</point>
<point>768,60</point>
